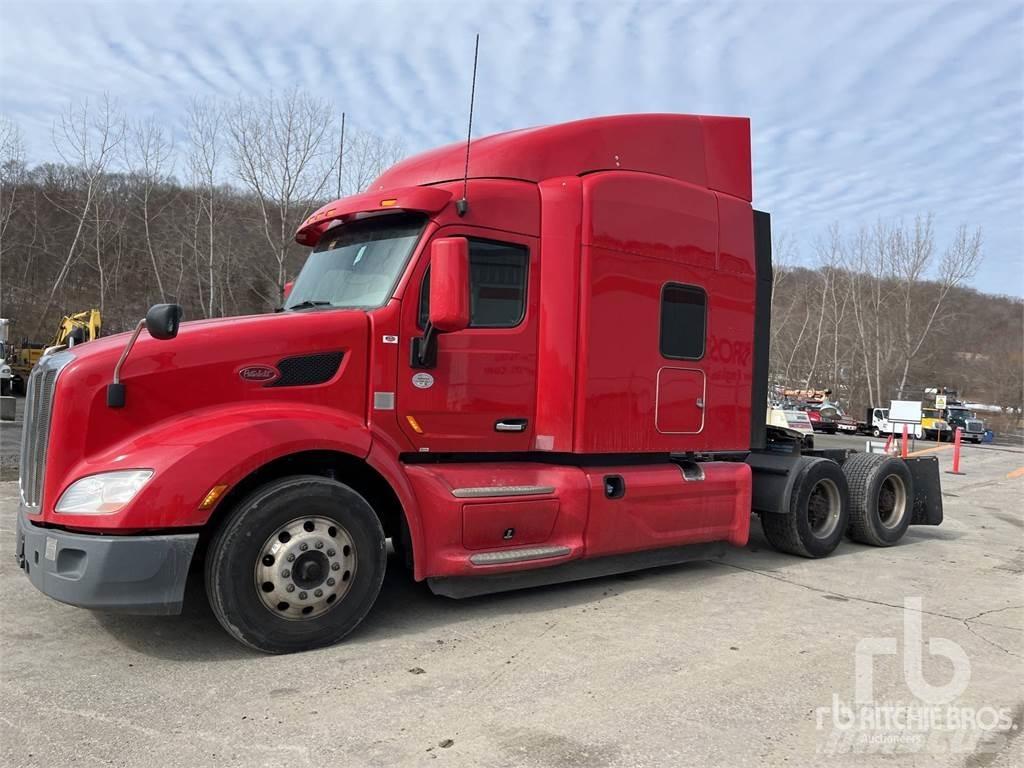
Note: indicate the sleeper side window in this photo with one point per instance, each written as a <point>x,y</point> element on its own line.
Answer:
<point>497,277</point>
<point>683,321</point>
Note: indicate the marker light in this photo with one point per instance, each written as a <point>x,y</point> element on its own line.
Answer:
<point>415,425</point>
<point>213,496</point>
<point>390,203</point>
<point>102,494</point>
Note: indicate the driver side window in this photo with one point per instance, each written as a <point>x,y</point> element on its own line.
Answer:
<point>497,277</point>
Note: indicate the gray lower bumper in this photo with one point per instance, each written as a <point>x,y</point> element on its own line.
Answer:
<point>131,574</point>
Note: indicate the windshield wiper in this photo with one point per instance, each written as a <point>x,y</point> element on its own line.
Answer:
<point>309,305</point>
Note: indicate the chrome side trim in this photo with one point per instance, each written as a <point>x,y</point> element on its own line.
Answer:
<point>501,490</point>
<point>518,555</point>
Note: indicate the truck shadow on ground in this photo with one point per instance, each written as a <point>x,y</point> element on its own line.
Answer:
<point>405,607</point>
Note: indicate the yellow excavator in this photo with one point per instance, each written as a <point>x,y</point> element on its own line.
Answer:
<point>73,329</point>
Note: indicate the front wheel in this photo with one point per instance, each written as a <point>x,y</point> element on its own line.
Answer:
<point>297,565</point>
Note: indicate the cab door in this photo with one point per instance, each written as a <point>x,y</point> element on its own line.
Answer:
<point>481,394</point>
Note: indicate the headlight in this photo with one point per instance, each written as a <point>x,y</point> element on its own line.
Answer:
<point>102,494</point>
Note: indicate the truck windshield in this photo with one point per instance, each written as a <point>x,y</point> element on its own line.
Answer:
<point>961,413</point>
<point>357,264</point>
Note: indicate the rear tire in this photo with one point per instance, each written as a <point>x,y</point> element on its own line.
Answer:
<point>881,498</point>
<point>818,512</point>
<point>297,565</point>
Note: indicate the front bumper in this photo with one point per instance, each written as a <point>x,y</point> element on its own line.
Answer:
<point>967,435</point>
<point>130,574</point>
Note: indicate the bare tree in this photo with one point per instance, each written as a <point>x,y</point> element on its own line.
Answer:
<point>839,295</point>
<point>148,153</point>
<point>367,156</point>
<point>783,257</point>
<point>828,253</point>
<point>205,123</point>
<point>867,264</point>
<point>12,172</point>
<point>283,152</point>
<point>911,258</point>
<point>86,140</point>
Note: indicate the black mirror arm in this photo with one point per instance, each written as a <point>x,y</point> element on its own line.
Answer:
<point>424,348</point>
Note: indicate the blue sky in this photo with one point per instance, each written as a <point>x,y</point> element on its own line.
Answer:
<point>860,110</point>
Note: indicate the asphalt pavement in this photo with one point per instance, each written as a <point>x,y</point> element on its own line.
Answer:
<point>741,661</point>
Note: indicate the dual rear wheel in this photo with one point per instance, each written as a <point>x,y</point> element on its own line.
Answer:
<point>869,498</point>
<point>881,498</point>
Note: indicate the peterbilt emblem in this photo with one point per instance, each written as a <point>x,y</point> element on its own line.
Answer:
<point>258,373</point>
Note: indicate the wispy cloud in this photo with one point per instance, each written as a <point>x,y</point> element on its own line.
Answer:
<point>860,110</point>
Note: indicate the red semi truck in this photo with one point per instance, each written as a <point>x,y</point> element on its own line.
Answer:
<point>554,369</point>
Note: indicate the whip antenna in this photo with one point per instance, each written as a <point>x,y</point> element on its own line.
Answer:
<point>463,205</point>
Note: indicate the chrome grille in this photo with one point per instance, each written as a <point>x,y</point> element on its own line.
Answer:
<point>35,437</point>
<point>974,426</point>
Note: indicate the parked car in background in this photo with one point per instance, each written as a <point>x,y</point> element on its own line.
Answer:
<point>822,417</point>
<point>845,424</point>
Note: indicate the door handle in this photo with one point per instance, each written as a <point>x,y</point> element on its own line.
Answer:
<point>510,425</point>
<point>700,402</point>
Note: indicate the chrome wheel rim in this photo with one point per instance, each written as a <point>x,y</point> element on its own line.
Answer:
<point>823,508</point>
<point>892,501</point>
<point>305,568</point>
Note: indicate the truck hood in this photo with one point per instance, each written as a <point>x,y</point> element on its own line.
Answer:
<point>311,357</point>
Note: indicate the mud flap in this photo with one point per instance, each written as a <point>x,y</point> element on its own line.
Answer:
<point>927,490</point>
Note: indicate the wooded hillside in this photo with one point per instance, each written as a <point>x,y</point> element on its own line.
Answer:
<point>885,313</point>
<point>128,219</point>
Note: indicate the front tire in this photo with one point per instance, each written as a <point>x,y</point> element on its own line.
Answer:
<point>297,565</point>
<point>881,498</point>
<point>818,513</point>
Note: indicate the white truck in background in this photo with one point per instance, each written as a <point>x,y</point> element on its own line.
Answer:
<point>878,424</point>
